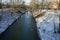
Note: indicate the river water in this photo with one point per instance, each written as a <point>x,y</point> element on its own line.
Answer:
<point>23,29</point>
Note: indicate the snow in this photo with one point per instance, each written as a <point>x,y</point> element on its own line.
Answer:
<point>7,20</point>
<point>45,25</point>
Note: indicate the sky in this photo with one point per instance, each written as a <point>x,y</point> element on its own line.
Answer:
<point>4,1</point>
<point>27,1</point>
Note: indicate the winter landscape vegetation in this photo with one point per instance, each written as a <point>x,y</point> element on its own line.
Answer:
<point>30,20</point>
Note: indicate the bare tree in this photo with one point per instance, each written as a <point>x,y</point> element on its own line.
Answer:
<point>42,4</point>
<point>59,5</point>
<point>34,4</point>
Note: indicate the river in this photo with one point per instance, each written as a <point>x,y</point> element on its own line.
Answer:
<point>23,29</point>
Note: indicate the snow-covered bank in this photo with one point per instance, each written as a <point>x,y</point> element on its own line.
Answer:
<point>7,20</point>
<point>47,24</point>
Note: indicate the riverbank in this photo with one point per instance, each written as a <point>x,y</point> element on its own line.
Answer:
<point>7,19</point>
<point>48,24</point>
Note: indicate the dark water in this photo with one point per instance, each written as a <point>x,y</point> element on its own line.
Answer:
<point>23,29</point>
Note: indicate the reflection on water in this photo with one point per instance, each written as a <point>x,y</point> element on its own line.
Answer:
<point>23,29</point>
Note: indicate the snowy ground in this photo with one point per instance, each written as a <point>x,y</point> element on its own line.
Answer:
<point>45,25</point>
<point>7,20</point>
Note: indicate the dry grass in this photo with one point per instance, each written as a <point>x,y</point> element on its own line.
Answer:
<point>38,13</point>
